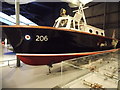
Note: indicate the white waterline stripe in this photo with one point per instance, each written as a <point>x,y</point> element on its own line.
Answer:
<point>66,53</point>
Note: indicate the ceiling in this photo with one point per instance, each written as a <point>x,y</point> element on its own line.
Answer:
<point>41,13</point>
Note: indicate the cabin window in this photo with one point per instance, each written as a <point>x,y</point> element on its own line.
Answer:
<point>96,32</point>
<point>102,34</point>
<point>76,25</point>
<point>90,31</point>
<point>72,25</point>
<point>63,23</point>
<point>55,24</point>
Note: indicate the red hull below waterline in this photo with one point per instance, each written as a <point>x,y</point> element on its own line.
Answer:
<point>48,59</point>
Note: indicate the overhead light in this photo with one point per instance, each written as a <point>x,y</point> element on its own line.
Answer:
<point>10,20</point>
<point>6,19</point>
<point>24,20</point>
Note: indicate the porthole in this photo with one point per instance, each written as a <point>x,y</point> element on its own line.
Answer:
<point>96,32</point>
<point>90,31</point>
<point>102,34</point>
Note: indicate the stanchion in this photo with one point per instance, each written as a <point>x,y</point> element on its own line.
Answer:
<point>17,10</point>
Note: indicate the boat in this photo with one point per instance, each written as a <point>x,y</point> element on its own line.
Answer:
<point>70,37</point>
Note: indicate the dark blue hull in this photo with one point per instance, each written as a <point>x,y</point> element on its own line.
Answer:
<point>48,40</point>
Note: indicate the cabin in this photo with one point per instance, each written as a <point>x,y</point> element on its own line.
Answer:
<point>77,23</point>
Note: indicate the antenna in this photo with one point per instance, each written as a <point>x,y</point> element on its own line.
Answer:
<point>81,10</point>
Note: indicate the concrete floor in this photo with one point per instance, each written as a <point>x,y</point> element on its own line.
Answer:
<point>38,77</point>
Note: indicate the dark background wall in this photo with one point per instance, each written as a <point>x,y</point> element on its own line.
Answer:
<point>104,15</point>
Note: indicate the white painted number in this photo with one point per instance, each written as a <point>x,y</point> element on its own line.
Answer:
<point>41,38</point>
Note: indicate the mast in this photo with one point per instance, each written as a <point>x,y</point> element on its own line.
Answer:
<point>80,4</point>
<point>83,14</point>
<point>80,13</point>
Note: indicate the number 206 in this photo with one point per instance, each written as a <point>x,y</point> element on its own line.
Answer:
<point>41,38</point>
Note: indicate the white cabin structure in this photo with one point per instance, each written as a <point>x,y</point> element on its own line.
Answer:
<point>78,22</point>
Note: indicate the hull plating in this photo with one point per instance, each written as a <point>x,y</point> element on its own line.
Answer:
<point>42,40</point>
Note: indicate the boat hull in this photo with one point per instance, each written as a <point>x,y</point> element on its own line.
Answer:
<point>52,41</point>
<point>49,40</point>
<point>49,59</point>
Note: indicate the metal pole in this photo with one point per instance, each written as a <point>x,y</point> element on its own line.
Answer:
<point>17,11</point>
